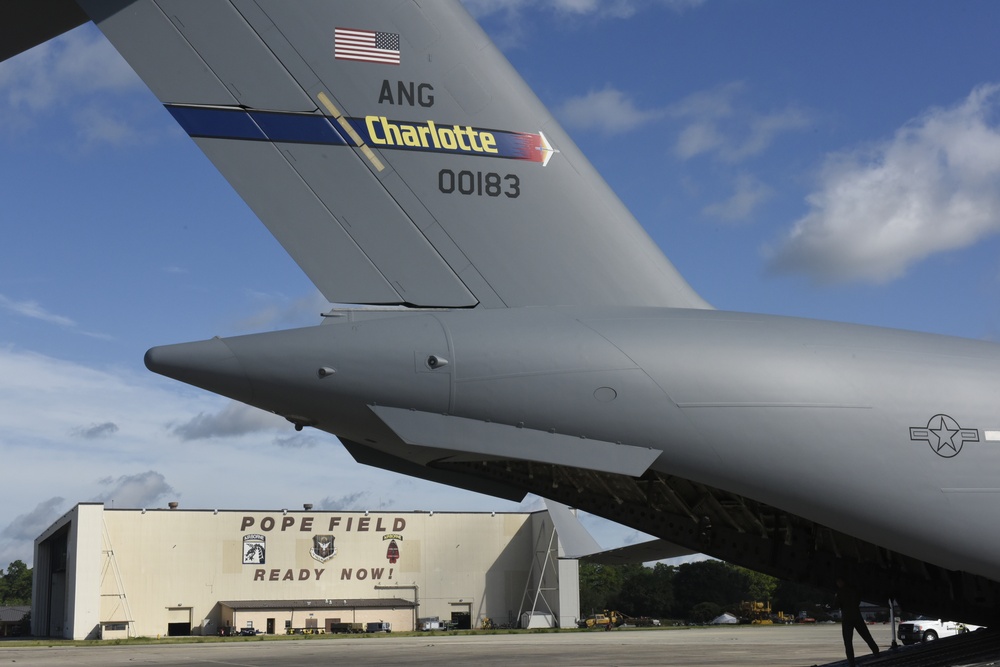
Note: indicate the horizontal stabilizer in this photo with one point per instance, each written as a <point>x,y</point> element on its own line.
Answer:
<point>644,552</point>
<point>578,543</point>
<point>500,441</point>
<point>366,455</point>
<point>573,537</point>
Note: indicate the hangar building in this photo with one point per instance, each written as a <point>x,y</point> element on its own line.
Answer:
<point>116,573</point>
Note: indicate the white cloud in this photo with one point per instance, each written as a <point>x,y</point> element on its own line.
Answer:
<point>297,441</point>
<point>487,7</point>
<point>697,138</point>
<point>28,526</point>
<point>54,414</point>
<point>78,75</point>
<point>933,187</point>
<point>351,501</point>
<point>764,129</point>
<point>749,194</point>
<point>681,5</point>
<point>95,431</point>
<point>46,400</point>
<point>512,13</point>
<point>608,110</point>
<point>134,491</point>
<point>17,539</point>
<point>33,389</point>
<point>279,311</point>
<point>610,8</point>
<point>719,123</point>
<point>54,73</point>
<point>710,104</point>
<point>101,126</point>
<point>579,6</point>
<point>235,419</point>
<point>34,310</point>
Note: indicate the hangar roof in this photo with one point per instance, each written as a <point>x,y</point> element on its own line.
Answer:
<point>13,614</point>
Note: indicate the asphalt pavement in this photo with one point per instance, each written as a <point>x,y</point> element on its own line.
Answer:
<point>743,646</point>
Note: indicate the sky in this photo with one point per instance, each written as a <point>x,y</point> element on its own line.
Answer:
<point>827,159</point>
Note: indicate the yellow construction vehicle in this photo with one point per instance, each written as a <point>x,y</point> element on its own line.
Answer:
<point>606,620</point>
<point>756,613</point>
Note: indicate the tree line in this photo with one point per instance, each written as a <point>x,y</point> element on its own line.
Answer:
<point>695,592</point>
<point>15,585</point>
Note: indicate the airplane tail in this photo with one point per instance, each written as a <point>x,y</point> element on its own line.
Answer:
<point>393,151</point>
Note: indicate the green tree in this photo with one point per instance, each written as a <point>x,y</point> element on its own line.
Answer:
<point>758,587</point>
<point>648,591</point>
<point>663,591</point>
<point>15,585</point>
<point>707,581</point>
<point>792,598</point>
<point>599,587</point>
<point>703,612</point>
<point>720,583</point>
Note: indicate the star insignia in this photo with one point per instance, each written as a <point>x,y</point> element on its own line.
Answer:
<point>944,435</point>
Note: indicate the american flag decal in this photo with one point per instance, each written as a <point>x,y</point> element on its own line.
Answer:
<point>369,46</point>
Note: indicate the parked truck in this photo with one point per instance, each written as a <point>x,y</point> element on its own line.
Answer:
<point>607,620</point>
<point>927,630</point>
<point>430,623</point>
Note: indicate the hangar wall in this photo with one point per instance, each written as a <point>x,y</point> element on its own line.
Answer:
<point>167,571</point>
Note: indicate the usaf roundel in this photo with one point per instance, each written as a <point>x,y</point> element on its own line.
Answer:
<point>944,435</point>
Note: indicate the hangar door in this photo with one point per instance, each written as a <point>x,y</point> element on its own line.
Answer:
<point>179,622</point>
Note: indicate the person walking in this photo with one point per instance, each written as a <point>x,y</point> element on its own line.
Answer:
<point>851,620</point>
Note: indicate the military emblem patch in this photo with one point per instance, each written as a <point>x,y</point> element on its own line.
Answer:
<point>323,549</point>
<point>253,549</point>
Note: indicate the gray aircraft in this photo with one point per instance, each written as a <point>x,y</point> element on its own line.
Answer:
<point>511,328</point>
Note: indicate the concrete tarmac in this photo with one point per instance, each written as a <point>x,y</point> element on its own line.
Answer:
<point>743,646</point>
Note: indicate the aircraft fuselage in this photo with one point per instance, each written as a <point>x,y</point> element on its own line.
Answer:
<point>887,435</point>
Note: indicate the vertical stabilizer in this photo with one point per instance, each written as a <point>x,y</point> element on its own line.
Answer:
<point>393,151</point>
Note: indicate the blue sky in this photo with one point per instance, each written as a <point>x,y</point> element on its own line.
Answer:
<point>819,159</point>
